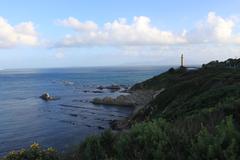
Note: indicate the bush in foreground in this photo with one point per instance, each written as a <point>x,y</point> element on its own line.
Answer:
<point>34,152</point>
<point>161,140</point>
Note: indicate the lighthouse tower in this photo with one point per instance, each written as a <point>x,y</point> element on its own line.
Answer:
<point>182,61</point>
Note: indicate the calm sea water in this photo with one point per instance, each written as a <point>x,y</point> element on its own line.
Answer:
<point>25,118</point>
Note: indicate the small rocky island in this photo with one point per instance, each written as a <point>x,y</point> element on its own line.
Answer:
<point>46,97</point>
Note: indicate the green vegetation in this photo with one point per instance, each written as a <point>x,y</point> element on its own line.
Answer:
<point>196,117</point>
<point>161,140</point>
<point>34,152</point>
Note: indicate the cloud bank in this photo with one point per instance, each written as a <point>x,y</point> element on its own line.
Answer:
<point>21,34</point>
<point>117,33</point>
<point>140,32</point>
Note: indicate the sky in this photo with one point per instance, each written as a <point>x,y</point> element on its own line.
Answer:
<point>75,33</point>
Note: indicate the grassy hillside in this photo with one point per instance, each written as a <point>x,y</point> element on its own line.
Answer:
<point>188,93</point>
<point>196,117</point>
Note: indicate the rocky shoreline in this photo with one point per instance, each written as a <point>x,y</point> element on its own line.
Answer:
<point>137,99</point>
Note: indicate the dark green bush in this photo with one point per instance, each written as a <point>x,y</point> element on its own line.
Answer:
<point>92,149</point>
<point>152,140</point>
<point>223,144</point>
<point>97,148</point>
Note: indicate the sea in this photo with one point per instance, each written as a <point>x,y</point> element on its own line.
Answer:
<point>66,122</point>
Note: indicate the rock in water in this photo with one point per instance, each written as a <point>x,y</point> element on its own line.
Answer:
<point>100,128</point>
<point>100,87</point>
<point>96,91</point>
<point>113,88</point>
<point>46,97</point>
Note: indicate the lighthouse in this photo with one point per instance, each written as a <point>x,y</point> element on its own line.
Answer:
<point>182,60</point>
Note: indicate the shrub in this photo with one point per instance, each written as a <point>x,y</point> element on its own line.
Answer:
<point>92,149</point>
<point>97,148</point>
<point>162,140</point>
<point>223,144</point>
<point>34,152</point>
<point>151,140</point>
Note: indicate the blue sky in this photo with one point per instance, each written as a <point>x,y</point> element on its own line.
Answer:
<point>71,33</point>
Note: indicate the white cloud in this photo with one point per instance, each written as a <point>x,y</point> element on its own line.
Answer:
<point>77,25</point>
<point>20,34</point>
<point>214,29</point>
<point>118,33</point>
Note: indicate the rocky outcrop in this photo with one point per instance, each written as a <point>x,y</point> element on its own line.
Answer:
<point>97,91</point>
<point>113,87</point>
<point>119,101</point>
<point>136,99</point>
<point>47,97</point>
<point>110,88</point>
<point>141,99</point>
